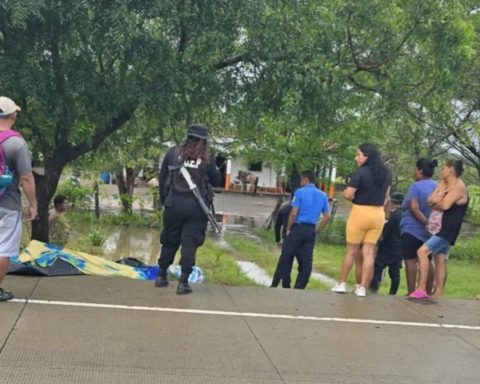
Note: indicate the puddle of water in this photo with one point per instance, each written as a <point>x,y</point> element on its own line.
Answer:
<point>255,273</point>
<point>122,242</point>
<point>327,280</point>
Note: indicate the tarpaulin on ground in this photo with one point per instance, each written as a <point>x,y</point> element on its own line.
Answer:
<point>50,260</point>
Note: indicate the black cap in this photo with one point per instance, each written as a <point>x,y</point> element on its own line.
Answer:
<point>397,197</point>
<point>198,130</point>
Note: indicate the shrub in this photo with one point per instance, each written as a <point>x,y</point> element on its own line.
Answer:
<point>467,249</point>
<point>79,197</point>
<point>96,238</point>
<point>334,232</point>
<point>474,204</point>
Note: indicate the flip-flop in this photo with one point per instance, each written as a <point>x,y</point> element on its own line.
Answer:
<point>418,294</point>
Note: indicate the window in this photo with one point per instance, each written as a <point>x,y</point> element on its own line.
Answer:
<point>255,167</point>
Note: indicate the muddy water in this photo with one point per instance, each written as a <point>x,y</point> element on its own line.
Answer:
<point>140,243</point>
<point>144,243</point>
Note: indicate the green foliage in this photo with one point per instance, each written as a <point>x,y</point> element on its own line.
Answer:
<point>467,249</point>
<point>151,220</point>
<point>334,232</point>
<point>220,266</point>
<point>297,84</point>
<point>155,219</point>
<point>123,218</point>
<point>95,237</point>
<point>80,198</point>
<point>474,204</point>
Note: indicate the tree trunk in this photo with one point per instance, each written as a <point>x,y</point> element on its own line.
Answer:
<point>97,200</point>
<point>125,188</point>
<point>295,179</point>
<point>45,186</point>
<point>294,184</point>
<point>273,216</point>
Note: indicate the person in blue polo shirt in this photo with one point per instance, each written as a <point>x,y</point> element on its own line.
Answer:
<point>307,205</point>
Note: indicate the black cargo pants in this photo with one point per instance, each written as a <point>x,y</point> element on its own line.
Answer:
<point>184,226</point>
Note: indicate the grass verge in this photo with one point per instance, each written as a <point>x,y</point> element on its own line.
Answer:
<point>265,256</point>
<point>220,267</point>
<point>462,281</point>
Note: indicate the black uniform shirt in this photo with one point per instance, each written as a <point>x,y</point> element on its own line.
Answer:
<point>172,158</point>
<point>390,248</point>
<point>282,221</point>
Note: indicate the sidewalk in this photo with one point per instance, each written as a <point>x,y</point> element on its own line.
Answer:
<point>111,330</point>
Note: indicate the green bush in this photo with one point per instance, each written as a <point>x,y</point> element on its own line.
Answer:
<point>467,249</point>
<point>474,204</point>
<point>334,232</point>
<point>79,197</point>
<point>96,238</point>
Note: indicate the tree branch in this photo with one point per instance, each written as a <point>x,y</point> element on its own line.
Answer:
<point>70,153</point>
<point>374,67</point>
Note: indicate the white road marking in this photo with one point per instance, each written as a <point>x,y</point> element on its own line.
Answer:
<point>246,314</point>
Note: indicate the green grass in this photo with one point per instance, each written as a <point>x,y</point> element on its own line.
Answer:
<point>220,267</point>
<point>265,256</point>
<point>462,282</point>
<point>327,259</point>
<point>462,279</point>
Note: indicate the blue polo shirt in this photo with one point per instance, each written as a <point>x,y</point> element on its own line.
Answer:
<point>311,202</point>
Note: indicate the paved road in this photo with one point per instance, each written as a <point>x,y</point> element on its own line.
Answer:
<point>112,330</point>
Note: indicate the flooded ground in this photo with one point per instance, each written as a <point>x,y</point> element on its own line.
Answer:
<point>143,244</point>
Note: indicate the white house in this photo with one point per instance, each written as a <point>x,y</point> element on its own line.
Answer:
<point>230,166</point>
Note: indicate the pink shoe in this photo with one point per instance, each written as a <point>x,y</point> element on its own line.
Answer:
<point>418,294</point>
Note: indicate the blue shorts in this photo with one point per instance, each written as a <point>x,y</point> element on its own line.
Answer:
<point>438,245</point>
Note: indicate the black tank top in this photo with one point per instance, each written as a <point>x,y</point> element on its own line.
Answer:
<point>452,221</point>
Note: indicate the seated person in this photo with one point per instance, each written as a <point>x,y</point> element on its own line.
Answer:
<point>58,228</point>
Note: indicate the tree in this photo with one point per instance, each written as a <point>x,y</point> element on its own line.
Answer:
<point>347,72</point>
<point>80,70</point>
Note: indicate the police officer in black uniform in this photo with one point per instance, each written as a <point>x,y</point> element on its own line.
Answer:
<point>184,223</point>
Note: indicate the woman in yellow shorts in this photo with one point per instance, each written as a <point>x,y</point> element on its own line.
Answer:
<point>368,190</point>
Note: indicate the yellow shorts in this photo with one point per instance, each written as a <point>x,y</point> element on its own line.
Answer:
<point>365,224</point>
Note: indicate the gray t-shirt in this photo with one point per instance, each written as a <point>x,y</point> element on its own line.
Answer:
<point>19,162</point>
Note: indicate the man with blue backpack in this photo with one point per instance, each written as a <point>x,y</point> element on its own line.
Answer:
<point>15,171</point>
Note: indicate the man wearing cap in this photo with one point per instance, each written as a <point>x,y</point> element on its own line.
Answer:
<point>390,248</point>
<point>17,159</point>
<point>184,223</point>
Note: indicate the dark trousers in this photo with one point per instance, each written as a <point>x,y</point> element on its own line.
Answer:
<point>299,243</point>
<point>393,272</point>
<point>184,225</point>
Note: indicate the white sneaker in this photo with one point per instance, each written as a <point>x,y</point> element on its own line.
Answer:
<point>340,288</point>
<point>360,292</point>
<point>356,287</point>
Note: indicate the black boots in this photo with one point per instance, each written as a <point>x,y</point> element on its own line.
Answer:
<point>183,286</point>
<point>162,280</point>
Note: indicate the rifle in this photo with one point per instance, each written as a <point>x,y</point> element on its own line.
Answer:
<point>193,187</point>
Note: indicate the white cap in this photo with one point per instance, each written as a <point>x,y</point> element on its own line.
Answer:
<point>8,106</point>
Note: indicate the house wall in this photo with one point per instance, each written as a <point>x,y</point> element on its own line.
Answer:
<point>266,178</point>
